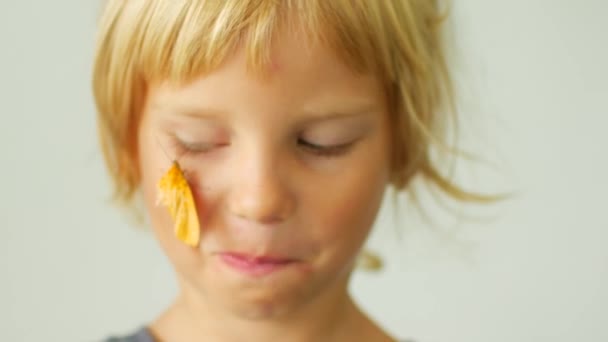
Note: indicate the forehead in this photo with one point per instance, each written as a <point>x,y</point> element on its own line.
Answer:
<point>298,69</point>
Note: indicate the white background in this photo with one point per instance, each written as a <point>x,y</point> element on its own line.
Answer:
<point>533,80</point>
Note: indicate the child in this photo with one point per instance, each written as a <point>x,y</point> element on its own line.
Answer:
<point>269,130</point>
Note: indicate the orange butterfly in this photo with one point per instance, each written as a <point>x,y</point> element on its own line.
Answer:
<point>175,193</point>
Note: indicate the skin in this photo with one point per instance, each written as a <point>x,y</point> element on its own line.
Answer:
<point>260,189</point>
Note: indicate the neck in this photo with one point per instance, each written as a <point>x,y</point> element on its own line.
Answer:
<point>331,316</point>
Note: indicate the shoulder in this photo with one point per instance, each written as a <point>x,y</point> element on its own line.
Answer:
<point>141,335</point>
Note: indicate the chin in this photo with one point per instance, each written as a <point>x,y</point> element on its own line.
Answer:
<point>264,308</point>
<point>262,297</point>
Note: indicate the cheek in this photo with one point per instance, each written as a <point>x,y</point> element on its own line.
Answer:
<point>346,214</point>
<point>152,168</point>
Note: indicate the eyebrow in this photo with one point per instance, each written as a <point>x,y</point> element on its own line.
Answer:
<point>194,112</point>
<point>305,116</point>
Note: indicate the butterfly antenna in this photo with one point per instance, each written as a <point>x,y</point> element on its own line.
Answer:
<point>173,160</point>
<point>163,149</point>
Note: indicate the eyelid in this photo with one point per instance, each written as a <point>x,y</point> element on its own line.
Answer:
<point>184,147</point>
<point>198,146</point>
<point>338,132</point>
<point>329,151</point>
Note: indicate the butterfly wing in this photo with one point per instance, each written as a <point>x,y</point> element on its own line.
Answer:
<point>185,217</point>
<point>175,193</point>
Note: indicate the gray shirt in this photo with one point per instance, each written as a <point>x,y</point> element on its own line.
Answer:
<point>143,335</point>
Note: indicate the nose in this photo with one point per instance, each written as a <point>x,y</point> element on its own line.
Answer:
<point>259,193</point>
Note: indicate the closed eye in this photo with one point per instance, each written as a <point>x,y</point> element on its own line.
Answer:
<point>326,150</point>
<point>192,148</point>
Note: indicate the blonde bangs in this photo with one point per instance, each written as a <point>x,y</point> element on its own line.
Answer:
<point>180,40</point>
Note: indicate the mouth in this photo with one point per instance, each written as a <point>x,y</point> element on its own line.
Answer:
<point>256,266</point>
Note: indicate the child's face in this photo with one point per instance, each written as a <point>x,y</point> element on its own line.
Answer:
<point>246,145</point>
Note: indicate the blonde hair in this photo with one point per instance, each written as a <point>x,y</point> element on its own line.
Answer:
<point>401,41</point>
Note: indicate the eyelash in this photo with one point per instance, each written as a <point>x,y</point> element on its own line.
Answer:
<point>318,150</point>
<point>327,151</point>
<point>184,148</point>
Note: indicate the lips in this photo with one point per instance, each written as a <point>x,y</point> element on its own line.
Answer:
<point>255,265</point>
